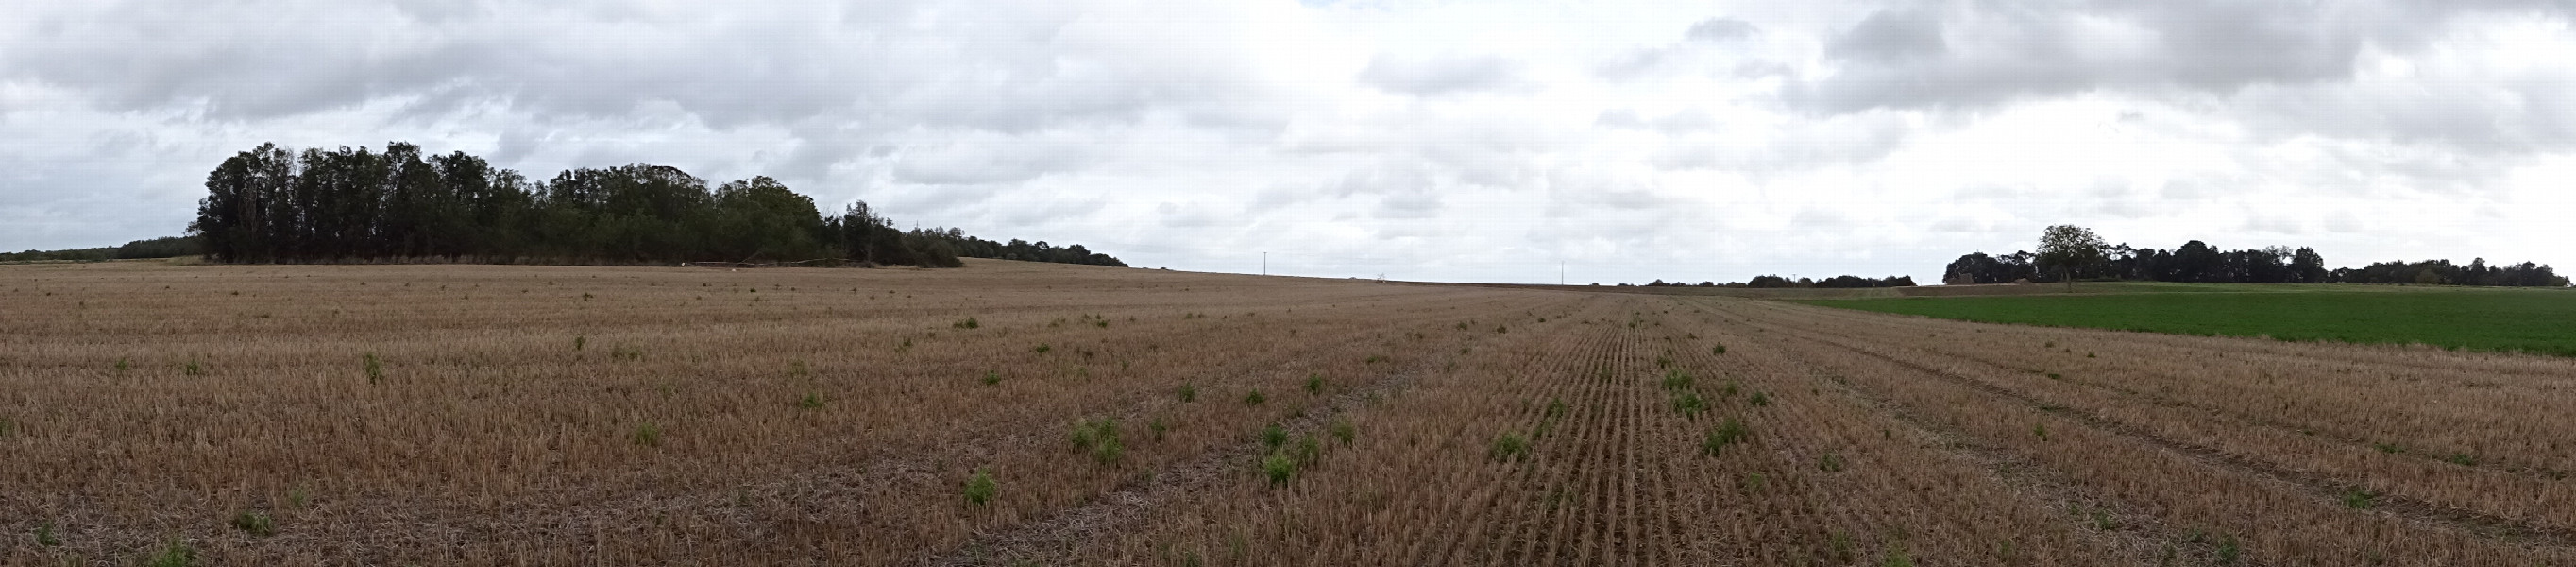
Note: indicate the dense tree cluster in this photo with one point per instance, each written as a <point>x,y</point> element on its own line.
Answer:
<point>272,204</point>
<point>2195,261</point>
<point>1017,249</point>
<point>167,247</point>
<point>1774,281</point>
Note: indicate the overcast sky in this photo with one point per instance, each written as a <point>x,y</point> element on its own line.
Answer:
<point>1476,141</point>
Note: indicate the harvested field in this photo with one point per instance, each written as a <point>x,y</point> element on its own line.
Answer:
<point>483,415</point>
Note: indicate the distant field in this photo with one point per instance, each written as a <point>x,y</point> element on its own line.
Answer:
<point>2526,320</point>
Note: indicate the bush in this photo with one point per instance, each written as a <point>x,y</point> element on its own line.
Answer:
<point>1272,437</point>
<point>1343,431</point>
<point>969,323</point>
<point>1719,349</point>
<point>1189,393</point>
<point>1314,384</point>
<point>992,377</point>
<point>1689,404</point>
<point>810,401</point>
<point>1252,399</point>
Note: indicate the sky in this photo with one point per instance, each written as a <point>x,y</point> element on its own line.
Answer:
<point>1492,140</point>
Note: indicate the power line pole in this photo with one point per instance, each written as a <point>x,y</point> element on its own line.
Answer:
<point>1265,263</point>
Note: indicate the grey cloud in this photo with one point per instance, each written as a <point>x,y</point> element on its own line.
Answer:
<point>1720,29</point>
<point>1889,36</point>
<point>1439,76</point>
<point>1978,54</point>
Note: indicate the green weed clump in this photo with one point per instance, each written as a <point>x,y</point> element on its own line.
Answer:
<point>812,400</point>
<point>1719,349</point>
<point>1099,438</point>
<point>992,377</point>
<point>1510,447</point>
<point>1677,380</point>
<point>1189,393</point>
<point>1272,437</point>
<point>1728,433</point>
<point>1689,404</point>
<point>1042,348</point>
<point>980,488</point>
<point>648,434</point>
<point>45,535</point>
<point>375,369</point>
<point>1279,467</point>
<point>1343,431</point>
<point>1253,399</point>
<point>969,323</point>
<point>254,523</point>
<point>176,553</point>
<point>1314,384</point>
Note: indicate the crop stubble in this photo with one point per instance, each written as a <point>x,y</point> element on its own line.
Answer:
<point>508,424</point>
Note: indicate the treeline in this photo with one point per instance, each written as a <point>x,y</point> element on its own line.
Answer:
<point>1774,281</point>
<point>166,247</point>
<point>271,204</point>
<point>2195,261</point>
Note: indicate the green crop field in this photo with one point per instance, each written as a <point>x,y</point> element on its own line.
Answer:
<point>2525,320</point>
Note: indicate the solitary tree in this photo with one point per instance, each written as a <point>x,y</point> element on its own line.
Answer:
<point>2066,246</point>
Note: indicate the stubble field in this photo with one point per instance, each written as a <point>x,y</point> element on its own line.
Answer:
<point>1011,414</point>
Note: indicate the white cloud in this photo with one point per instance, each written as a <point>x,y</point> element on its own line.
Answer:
<point>1423,140</point>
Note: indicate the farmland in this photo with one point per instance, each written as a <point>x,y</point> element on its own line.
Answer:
<point>2511,320</point>
<point>1011,413</point>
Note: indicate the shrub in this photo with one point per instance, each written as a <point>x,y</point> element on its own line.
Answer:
<point>45,535</point>
<point>1308,451</point>
<point>375,369</point>
<point>255,523</point>
<point>1343,431</point>
<point>1759,399</point>
<point>579,342</point>
<point>1314,384</point>
<point>1252,399</point>
<point>969,323</point>
<point>1510,447</point>
<point>1158,428</point>
<point>1719,349</point>
<point>123,365</point>
<point>980,488</point>
<point>992,377</point>
<point>193,368</point>
<point>811,400</point>
<point>1272,437</point>
<point>1189,393</point>
<point>1830,463</point>
<point>1042,348</point>
<point>2359,499</point>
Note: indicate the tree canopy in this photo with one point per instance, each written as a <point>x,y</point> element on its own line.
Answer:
<point>272,204</point>
<point>2196,261</point>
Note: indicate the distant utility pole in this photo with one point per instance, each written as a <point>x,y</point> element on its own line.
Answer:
<point>1560,272</point>
<point>1265,263</point>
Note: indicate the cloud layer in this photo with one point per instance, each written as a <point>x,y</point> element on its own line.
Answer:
<point>1490,141</point>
